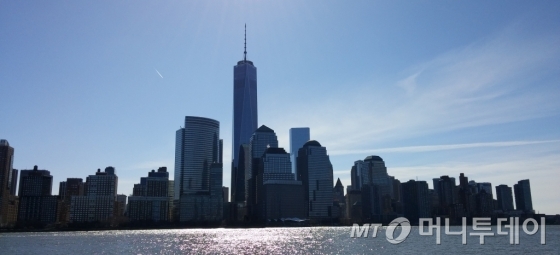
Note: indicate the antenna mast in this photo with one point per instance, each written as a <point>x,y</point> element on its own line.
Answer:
<point>245,52</point>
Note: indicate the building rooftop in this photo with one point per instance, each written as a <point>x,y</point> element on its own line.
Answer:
<point>373,158</point>
<point>312,143</point>
<point>275,151</point>
<point>264,129</point>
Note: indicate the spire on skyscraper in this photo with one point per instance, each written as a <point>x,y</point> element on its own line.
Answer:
<point>245,52</point>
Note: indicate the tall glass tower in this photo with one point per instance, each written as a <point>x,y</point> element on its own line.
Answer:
<point>298,137</point>
<point>244,104</point>
<point>196,149</point>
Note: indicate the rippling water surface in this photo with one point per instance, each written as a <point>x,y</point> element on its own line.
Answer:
<point>316,240</point>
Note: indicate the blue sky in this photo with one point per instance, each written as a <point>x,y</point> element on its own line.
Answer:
<point>433,87</point>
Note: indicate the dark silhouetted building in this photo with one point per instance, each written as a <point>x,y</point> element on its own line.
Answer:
<point>8,202</point>
<point>279,195</point>
<point>416,200</point>
<point>36,203</point>
<point>262,139</point>
<point>504,196</point>
<point>13,184</point>
<point>523,201</point>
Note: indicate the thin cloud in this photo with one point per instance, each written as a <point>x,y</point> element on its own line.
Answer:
<point>486,83</point>
<point>427,148</point>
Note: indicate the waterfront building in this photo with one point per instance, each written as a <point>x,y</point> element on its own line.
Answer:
<point>316,174</point>
<point>416,200</point>
<point>207,205</point>
<point>98,202</point>
<point>523,200</point>
<point>198,171</point>
<point>262,139</point>
<point>196,148</point>
<point>245,114</point>
<point>36,203</point>
<point>150,199</point>
<point>279,195</point>
<point>504,197</point>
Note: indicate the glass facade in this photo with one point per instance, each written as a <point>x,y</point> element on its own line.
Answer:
<point>263,138</point>
<point>245,118</point>
<point>196,148</point>
<point>316,173</point>
<point>298,137</point>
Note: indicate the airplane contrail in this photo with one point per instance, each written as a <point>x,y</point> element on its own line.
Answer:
<point>159,73</point>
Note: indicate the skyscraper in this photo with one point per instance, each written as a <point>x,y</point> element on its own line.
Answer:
<point>316,174</point>
<point>523,201</point>
<point>416,200</point>
<point>504,197</point>
<point>6,163</point>
<point>198,173</point>
<point>263,138</point>
<point>196,148</point>
<point>298,137</point>
<point>279,195</point>
<point>245,117</point>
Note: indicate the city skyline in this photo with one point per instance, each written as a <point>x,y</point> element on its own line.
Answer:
<point>479,102</point>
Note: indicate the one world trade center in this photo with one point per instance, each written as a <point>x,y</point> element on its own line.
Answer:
<point>244,112</point>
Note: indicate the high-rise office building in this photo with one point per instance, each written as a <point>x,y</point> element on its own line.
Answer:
<point>279,195</point>
<point>445,188</point>
<point>245,115</point>
<point>504,196</point>
<point>238,180</point>
<point>276,165</point>
<point>416,200</point>
<point>360,174</point>
<point>205,205</point>
<point>316,174</point>
<point>379,175</point>
<point>198,171</point>
<point>196,148</point>
<point>486,186</point>
<point>298,137</point>
<point>262,139</point>
<point>523,201</point>
<point>121,205</point>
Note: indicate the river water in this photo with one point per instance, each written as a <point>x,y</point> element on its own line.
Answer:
<point>309,240</point>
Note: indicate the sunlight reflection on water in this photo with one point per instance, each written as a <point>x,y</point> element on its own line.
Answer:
<point>317,240</point>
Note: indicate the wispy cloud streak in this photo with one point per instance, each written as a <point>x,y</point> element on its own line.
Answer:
<point>427,148</point>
